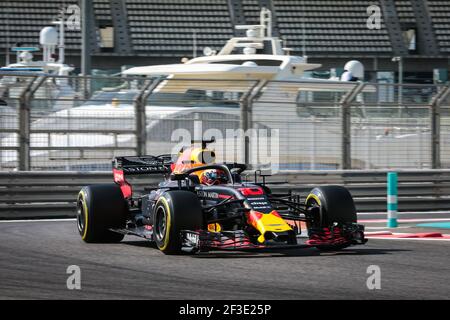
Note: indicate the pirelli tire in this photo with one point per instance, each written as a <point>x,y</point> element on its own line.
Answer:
<point>330,205</point>
<point>333,204</point>
<point>175,211</point>
<point>99,209</point>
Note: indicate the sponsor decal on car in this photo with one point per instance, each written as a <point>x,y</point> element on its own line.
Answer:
<point>192,237</point>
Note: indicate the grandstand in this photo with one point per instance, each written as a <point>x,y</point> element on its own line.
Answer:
<point>440,17</point>
<point>327,30</point>
<point>159,31</point>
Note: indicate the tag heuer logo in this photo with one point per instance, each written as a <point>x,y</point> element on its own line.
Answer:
<point>192,237</point>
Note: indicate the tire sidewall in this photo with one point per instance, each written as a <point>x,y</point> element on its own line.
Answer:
<point>335,205</point>
<point>165,203</point>
<point>104,208</point>
<point>183,212</point>
<point>83,205</point>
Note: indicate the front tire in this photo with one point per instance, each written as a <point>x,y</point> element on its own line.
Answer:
<point>330,205</point>
<point>175,211</point>
<point>334,204</point>
<point>99,209</point>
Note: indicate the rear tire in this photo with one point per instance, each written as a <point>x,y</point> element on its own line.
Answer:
<point>99,209</point>
<point>175,211</point>
<point>329,205</point>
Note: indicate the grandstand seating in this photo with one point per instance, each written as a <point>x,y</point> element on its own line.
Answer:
<point>251,11</point>
<point>21,22</point>
<point>329,26</point>
<point>405,11</point>
<point>164,28</point>
<point>102,10</point>
<point>440,16</point>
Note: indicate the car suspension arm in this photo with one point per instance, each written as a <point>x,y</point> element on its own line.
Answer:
<point>227,201</point>
<point>297,207</point>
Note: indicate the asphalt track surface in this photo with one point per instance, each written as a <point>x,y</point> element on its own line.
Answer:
<point>34,257</point>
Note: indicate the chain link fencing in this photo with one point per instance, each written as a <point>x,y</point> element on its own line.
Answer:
<point>81,123</point>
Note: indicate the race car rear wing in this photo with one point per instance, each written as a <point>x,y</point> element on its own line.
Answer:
<point>133,165</point>
<point>143,164</point>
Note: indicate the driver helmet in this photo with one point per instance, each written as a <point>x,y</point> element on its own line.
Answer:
<point>213,177</point>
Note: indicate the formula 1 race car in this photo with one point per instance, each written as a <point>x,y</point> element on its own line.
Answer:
<point>202,206</point>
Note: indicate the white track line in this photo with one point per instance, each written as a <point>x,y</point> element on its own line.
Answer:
<point>37,220</point>
<point>401,213</point>
<point>386,228</point>
<point>406,220</point>
<point>419,239</point>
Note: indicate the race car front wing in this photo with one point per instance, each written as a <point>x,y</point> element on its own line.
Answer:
<point>203,241</point>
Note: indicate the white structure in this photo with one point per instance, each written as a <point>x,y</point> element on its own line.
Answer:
<point>257,56</point>
<point>353,69</point>
<point>269,59</point>
<point>49,39</point>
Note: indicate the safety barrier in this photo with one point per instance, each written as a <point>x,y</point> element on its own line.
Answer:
<point>53,194</point>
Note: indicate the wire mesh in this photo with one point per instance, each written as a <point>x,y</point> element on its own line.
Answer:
<point>9,133</point>
<point>76,125</point>
<point>180,110</point>
<point>445,134</point>
<point>308,124</point>
<point>83,137</point>
<point>381,139</point>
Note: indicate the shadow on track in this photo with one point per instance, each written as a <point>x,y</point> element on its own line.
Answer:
<point>275,253</point>
<point>141,243</point>
<point>306,252</point>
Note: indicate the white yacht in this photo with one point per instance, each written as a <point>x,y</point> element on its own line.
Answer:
<point>258,55</point>
<point>181,97</point>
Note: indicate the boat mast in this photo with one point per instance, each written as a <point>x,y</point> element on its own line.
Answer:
<point>61,47</point>
<point>265,17</point>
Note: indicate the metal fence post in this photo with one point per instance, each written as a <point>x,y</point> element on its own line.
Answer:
<point>435,121</point>
<point>140,116</point>
<point>346,156</point>
<point>244,127</point>
<point>346,126</point>
<point>141,133</point>
<point>244,122</point>
<point>24,127</point>
<point>25,121</point>
<point>24,132</point>
<point>436,135</point>
<point>86,52</point>
<point>246,116</point>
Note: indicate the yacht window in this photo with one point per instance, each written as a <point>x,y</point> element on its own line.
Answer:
<point>192,97</point>
<point>197,98</point>
<point>264,63</point>
<point>103,98</point>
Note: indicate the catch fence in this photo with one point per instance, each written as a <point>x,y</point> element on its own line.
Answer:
<point>54,123</point>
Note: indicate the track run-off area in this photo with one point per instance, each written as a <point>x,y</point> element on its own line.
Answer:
<point>35,255</point>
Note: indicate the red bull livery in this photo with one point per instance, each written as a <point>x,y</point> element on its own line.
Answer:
<point>202,206</point>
